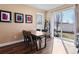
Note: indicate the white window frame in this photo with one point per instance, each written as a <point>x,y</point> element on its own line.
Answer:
<point>43,21</point>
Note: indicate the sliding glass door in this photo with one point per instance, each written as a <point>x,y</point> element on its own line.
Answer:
<point>57,25</point>
<point>64,24</point>
<point>68,22</point>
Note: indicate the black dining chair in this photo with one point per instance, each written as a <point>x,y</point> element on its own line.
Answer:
<point>35,41</point>
<point>25,36</point>
<point>29,39</point>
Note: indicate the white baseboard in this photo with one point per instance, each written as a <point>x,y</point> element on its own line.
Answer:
<point>9,43</point>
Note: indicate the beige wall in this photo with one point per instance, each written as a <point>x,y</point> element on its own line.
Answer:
<point>13,31</point>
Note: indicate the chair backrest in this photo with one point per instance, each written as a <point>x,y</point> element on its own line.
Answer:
<point>27,35</point>
<point>24,34</point>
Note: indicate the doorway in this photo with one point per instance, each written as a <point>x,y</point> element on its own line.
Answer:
<point>64,30</point>
<point>64,23</point>
<point>68,22</point>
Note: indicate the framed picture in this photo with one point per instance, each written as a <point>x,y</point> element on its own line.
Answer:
<point>28,18</point>
<point>5,16</point>
<point>19,18</point>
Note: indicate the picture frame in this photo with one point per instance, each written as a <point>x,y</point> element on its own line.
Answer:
<point>5,16</point>
<point>28,18</point>
<point>19,17</point>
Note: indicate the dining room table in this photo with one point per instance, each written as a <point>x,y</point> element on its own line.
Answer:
<point>40,34</point>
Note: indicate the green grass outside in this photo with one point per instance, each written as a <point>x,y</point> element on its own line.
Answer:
<point>67,35</point>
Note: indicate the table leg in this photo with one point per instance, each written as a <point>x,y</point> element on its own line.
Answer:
<point>40,42</point>
<point>36,45</point>
<point>45,41</point>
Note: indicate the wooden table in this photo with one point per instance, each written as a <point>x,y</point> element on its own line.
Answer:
<point>39,34</point>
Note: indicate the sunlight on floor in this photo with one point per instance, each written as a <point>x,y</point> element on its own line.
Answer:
<point>58,47</point>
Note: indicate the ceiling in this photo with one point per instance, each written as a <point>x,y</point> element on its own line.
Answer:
<point>45,6</point>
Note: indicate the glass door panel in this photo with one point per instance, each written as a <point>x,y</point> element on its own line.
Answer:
<point>68,24</point>
<point>57,25</point>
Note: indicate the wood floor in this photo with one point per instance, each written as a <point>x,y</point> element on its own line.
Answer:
<point>20,48</point>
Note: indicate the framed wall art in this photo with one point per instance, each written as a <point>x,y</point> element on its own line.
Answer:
<point>28,18</point>
<point>5,16</point>
<point>19,18</point>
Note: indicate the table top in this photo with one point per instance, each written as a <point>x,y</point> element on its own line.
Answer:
<point>38,33</point>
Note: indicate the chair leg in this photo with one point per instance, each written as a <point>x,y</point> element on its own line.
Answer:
<point>31,46</point>
<point>26,43</point>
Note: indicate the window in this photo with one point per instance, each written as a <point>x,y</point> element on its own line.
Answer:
<point>40,21</point>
